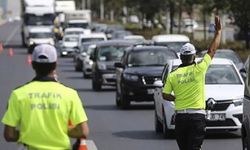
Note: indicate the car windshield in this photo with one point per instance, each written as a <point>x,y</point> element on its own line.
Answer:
<point>150,57</point>
<point>176,46</point>
<point>222,74</point>
<point>74,32</point>
<point>111,53</point>
<point>78,25</point>
<point>91,39</point>
<point>39,20</point>
<point>70,39</point>
<point>41,35</point>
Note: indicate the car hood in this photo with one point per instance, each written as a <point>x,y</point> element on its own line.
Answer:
<point>224,92</point>
<point>42,40</point>
<point>145,71</point>
<point>70,44</point>
<point>109,64</point>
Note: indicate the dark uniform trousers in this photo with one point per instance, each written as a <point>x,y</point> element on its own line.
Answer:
<point>190,130</point>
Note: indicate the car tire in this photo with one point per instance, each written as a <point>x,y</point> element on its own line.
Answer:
<point>244,139</point>
<point>117,99</point>
<point>124,101</point>
<point>158,124</point>
<point>166,132</point>
<point>85,76</point>
<point>78,67</point>
<point>96,86</point>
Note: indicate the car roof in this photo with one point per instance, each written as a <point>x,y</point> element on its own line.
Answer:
<point>170,38</point>
<point>114,42</point>
<point>133,37</point>
<point>218,61</point>
<point>150,47</point>
<point>40,29</point>
<point>70,35</point>
<point>93,35</point>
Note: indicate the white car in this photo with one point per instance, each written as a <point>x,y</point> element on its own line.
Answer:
<point>76,31</point>
<point>92,37</point>
<point>87,62</point>
<point>68,45</point>
<point>40,35</point>
<point>173,41</point>
<point>224,89</point>
<point>136,38</point>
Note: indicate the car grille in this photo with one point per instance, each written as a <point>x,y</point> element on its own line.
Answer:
<point>149,80</point>
<point>227,122</point>
<point>221,105</point>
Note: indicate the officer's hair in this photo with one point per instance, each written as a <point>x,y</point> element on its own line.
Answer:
<point>43,69</point>
<point>187,59</point>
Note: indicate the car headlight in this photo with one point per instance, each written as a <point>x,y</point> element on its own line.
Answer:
<point>52,42</point>
<point>102,66</point>
<point>130,77</point>
<point>238,102</point>
<point>89,62</point>
<point>31,42</point>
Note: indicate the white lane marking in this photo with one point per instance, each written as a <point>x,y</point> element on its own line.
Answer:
<point>11,35</point>
<point>91,145</point>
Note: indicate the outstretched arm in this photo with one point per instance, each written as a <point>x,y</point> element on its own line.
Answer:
<point>217,37</point>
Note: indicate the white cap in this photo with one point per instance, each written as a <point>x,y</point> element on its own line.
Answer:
<point>188,49</point>
<point>44,53</point>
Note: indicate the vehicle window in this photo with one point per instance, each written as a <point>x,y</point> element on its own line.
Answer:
<point>39,20</point>
<point>111,53</point>
<point>176,46</point>
<point>41,35</point>
<point>150,58</point>
<point>78,25</point>
<point>74,32</point>
<point>92,40</point>
<point>222,74</point>
<point>70,39</point>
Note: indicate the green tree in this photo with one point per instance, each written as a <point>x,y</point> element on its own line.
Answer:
<point>241,12</point>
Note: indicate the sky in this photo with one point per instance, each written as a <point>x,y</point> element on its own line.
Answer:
<point>14,7</point>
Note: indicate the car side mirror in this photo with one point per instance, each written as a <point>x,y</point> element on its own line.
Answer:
<point>158,83</point>
<point>119,65</point>
<point>243,73</point>
<point>84,54</point>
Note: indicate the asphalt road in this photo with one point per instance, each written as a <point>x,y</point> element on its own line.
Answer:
<point>110,128</point>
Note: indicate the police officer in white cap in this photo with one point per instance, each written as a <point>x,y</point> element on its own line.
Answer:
<point>187,83</point>
<point>39,112</point>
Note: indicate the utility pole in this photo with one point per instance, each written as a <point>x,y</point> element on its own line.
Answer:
<point>4,5</point>
<point>83,4</point>
<point>101,9</point>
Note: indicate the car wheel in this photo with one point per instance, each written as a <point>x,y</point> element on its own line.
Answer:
<point>78,67</point>
<point>166,132</point>
<point>117,99</point>
<point>124,101</point>
<point>96,86</point>
<point>158,124</point>
<point>244,139</point>
<point>85,76</point>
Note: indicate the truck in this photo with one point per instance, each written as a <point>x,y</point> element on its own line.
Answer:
<point>36,13</point>
<point>78,18</point>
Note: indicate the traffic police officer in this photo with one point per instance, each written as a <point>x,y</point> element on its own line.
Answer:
<point>187,83</point>
<point>39,111</point>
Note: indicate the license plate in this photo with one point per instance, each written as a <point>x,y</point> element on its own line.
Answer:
<point>216,116</point>
<point>150,91</point>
